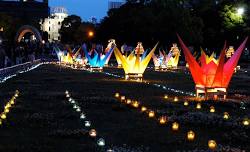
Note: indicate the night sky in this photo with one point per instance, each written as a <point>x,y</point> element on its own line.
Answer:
<point>84,8</point>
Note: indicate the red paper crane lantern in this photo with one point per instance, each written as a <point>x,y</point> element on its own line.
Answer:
<point>212,77</point>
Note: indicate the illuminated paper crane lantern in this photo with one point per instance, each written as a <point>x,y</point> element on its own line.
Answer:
<point>111,44</point>
<point>212,77</point>
<point>164,61</point>
<point>98,60</point>
<point>134,65</point>
<point>230,52</point>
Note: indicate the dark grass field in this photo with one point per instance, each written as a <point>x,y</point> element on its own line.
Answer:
<point>43,120</point>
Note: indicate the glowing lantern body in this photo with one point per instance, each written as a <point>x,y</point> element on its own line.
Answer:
<point>98,60</point>
<point>230,52</point>
<point>175,99</point>
<point>164,61</point>
<point>186,103</point>
<point>134,65</point>
<point>198,106</point>
<point>135,104</point>
<point>175,126</point>
<point>212,109</point>
<point>163,120</point>
<point>111,44</point>
<point>122,97</point>
<point>245,122</point>
<point>225,115</point>
<point>101,142</point>
<point>117,95</point>
<point>165,96</point>
<point>92,133</point>
<point>212,76</point>
<point>3,116</point>
<point>212,144</point>
<point>190,136</point>
<point>151,114</point>
<point>128,101</point>
<point>143,109</point>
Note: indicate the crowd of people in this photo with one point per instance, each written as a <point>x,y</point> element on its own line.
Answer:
<point>25,51</point>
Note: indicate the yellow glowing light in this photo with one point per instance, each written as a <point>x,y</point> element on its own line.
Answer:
<point>151,114</point>
<point>226,115</point>
<point>186,103</point>
<point>198,106</point>
<point>135,104</point>
<point>165,96</point>
<point>117,95</point>
<point>129,101</point>
<point>133,64</point>
<point>176,99</point>
<point>8,105</point>
<point>3,116</point>
<point>90,33</point>
<point>190,135</point>
<point>12,101</point>
<point>175,126</point>
<point>163,120</point>
<point>245,122</point>
<point>122,97</point>
<point>92,133</point>
<point>212,109</point>
<point>1,122</point>
<point>143,109</point>
<point>212,144</point>
<point>6,110</point>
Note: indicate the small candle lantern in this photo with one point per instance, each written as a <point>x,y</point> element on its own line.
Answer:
<point>117,95</point>
<point>190,135</point>
<point>226,115</point>
<point>175,126</point>
<point>151,114</point>
<point>212,144</point>
<point>198,106</point>
<point>212,109</point>
<point>92,133</point>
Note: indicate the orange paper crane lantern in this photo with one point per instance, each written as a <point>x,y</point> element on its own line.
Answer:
<point>212,76</point>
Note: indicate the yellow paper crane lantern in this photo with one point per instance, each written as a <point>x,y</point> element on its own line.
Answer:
<point>128,101</point>
<point>176,99</point>
<point>133,65</point>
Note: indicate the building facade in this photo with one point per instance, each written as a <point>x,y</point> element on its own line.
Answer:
<point>53,23</point>
<point>115,4</point>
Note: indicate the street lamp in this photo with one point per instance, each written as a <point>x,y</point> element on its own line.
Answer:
<point>90,33</point>
<point>240,11</point>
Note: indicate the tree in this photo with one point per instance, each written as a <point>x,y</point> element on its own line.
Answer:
<point>73,30</point>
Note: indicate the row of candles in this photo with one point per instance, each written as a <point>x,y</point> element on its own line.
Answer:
<point>8,107</point>
<point>163,120</point>
<point>226,116</point>
<point>92,132</point>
